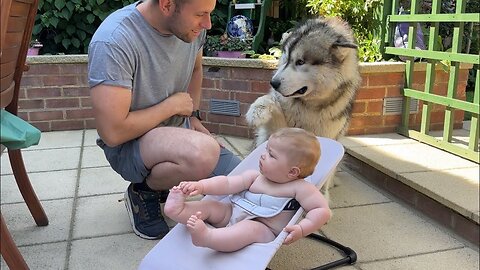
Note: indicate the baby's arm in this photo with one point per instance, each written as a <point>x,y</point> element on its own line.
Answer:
<point>318,213</point>
<point>220,185</point>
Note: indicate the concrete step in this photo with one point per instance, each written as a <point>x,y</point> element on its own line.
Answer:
<point>439,184</point>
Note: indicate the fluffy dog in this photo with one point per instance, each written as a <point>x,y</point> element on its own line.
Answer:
<point>315,84</point>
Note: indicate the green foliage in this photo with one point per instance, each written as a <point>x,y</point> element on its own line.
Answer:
<point>369,48</point>
<point>67,26</point>
<point>219,18</point>
<point>362,17</point>
<point>224,43</point>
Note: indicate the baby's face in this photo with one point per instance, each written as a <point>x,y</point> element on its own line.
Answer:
<point>274,163</point>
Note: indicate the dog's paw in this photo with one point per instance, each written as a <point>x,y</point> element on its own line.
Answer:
<point>261,111</point>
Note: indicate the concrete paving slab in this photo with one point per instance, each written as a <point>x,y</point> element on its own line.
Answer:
<point>45,160</point>
<point>457,188</point>
<point>101,215</point>
<point>230,147</point>
<point>100,181</point>
<point>58,139</point>
<point>44,256</point>
<point>463,258</point>
<point>384,231</point>
<point>47,186</point>
<point>93,156</point>
<point>119,252</point>
<point>349,191</point>
<point>460,137</point>
<point>304,254</point>
<point>24,230</point>
<point>396,159</point>
<point>243,145</point>
<point>374,139</point>
<point>90,138</point>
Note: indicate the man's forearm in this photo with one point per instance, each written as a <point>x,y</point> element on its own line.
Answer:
<point>195,86</point>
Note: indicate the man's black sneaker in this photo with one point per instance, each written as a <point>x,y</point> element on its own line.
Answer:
<point>145,213</point>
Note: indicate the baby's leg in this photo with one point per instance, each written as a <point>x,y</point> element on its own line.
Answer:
<point>179,210</point>
<point>228,239</point>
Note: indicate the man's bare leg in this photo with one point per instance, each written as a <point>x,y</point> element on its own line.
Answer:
<point>177,154</point>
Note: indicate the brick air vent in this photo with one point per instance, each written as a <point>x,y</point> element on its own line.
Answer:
<point>393,105</point>
<point>225,107</point>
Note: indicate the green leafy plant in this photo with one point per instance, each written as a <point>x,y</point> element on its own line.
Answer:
<point>362,17</point>
<point>217,43</point>
<point>68,26</point>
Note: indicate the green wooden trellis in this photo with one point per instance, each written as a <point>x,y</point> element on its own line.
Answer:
<point>456,57</point>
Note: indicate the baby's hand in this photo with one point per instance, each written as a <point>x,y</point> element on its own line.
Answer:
<point>295,233</point>
<point>191,188</point>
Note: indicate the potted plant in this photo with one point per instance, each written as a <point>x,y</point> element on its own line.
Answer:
<point>34,48</point>
<point>225,46</point>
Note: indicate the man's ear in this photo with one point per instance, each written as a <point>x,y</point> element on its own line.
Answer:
<point>166,6</point>
<point>294,172</point>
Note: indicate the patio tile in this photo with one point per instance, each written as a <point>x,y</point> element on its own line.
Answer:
<point>417,157</point>
<point>58,139</point>
<point>464,258</point>
<point>102,180</point>
<point>244,146</point>
<point>374,139</point>
<point>349,191</point>
<point>91,136</point>
<point>437,185</point>
<point>47,186</point>
<point>93,156</point>
<point>45,160</point>
<point>44,256</point>
<point>119,252</point>
<point>101,215</point>
<point>384,231</point>
<point>304,254</point>
<point>26,232</point>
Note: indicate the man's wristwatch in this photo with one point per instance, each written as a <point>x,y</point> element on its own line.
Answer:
<point>196,114</point>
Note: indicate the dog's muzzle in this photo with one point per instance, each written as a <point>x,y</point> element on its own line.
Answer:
<point>275,84</point>
<point>299,92</point>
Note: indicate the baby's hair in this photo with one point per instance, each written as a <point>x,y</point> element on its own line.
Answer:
<point>303,148</point>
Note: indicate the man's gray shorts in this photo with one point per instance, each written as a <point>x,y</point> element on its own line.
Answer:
<point>125,159</point>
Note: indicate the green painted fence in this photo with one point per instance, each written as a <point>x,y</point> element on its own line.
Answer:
<point>455,56</point>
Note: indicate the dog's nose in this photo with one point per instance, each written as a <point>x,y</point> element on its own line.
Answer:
<point>275,84</point>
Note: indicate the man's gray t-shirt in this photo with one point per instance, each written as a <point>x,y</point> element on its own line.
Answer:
<point>128,52</point>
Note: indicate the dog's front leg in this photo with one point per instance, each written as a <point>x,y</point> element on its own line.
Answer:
<point>266,116</point>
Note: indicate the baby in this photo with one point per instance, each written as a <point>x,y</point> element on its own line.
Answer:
<point>261,204</point>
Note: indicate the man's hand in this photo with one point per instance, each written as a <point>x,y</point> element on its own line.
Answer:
<point>181,103</point>
<point>195,124</point>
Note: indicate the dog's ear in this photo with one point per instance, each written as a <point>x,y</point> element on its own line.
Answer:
<point>285,36</point>
<point>341,48</point>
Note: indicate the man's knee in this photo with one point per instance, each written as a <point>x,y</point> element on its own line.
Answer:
<point>204,157</point>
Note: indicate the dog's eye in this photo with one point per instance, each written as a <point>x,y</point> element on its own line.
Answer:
<point>299,62</point>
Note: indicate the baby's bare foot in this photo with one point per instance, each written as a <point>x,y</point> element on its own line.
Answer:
<point>198,229</point>
<point>175,203</point>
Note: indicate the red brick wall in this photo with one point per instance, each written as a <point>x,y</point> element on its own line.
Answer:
<point>55,96</point>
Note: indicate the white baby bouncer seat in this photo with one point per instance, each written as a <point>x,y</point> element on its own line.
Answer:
<point>176,251</point>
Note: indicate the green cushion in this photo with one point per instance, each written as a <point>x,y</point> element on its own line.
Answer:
<point>16,133</point>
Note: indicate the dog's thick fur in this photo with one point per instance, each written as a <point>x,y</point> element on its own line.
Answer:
<point>315,84</point>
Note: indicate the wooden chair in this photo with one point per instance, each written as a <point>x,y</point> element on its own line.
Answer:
<point>17,20</point>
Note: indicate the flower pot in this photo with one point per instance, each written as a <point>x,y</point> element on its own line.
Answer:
<point>228,54</point>
<point>33,51</point>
